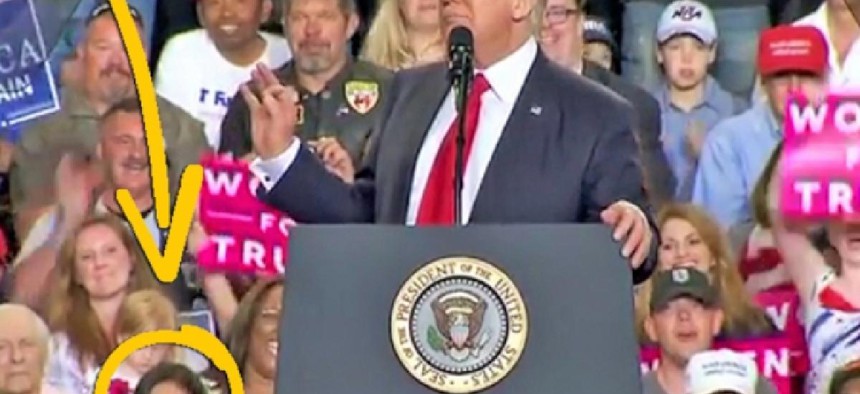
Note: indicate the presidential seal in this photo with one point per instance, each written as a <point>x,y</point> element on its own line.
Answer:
<point>459,325</point>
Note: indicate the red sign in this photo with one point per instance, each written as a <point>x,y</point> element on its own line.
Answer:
<point>783,307</point>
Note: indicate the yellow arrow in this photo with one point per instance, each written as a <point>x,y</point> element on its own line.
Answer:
<point>165,266</point>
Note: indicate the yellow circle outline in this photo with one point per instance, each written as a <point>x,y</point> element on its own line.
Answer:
<point>516,340</point>
<point>188,336</point>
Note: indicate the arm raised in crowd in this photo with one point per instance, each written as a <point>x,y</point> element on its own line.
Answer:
<point>804,263</point>
<point>30,196</point>
<point>42,244</point>
<point>216,286</point>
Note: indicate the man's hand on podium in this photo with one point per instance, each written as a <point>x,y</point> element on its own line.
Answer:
<point>630,224</point>
<point>274,110</point>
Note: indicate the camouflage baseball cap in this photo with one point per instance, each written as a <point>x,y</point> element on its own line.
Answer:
<point>668,286</point>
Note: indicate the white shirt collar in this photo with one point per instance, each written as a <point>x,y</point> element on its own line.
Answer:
<point>818,19</point>
<point>507,76</point>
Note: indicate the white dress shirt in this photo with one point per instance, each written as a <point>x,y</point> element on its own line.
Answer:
<point>506,79</point>
<point>844,75</point>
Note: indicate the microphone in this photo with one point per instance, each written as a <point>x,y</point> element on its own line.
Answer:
<point>460,52</point>
<point>460,74</point>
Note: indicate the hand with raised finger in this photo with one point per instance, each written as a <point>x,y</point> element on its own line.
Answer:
<point>273,111</point>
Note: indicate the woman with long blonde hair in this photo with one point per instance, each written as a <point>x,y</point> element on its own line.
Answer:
<point>691,238</point>
<point>97,266</point>
<point>405,33</point>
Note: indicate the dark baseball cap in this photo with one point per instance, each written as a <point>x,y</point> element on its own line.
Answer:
<point>668,286</point>
<point>595,29</point>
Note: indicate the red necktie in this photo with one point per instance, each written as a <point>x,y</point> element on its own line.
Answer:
<point>437,203</point>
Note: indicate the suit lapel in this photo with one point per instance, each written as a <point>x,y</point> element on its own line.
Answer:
<point>530,119</point>
<point>425,99</point>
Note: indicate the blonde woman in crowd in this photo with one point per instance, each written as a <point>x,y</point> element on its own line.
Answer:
<point>691,238</point>
<point>143,311</point>
<point>97,267</point>
<point>253,337</point>
<point>829,297</point>
<point>405,33</point>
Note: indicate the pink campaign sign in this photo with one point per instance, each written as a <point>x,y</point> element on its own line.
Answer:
<point>246,236</point>
<point>819,164</point>
<point>772,355</point>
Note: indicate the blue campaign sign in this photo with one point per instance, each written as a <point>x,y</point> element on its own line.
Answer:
<point>27,88</point>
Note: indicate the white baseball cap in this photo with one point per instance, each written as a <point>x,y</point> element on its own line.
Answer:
<point>687,17</point>
<point>721,370</point>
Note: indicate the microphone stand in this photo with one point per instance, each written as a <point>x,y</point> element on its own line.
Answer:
<point>462,82</point>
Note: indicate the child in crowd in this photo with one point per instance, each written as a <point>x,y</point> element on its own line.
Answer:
<point>691,101</point>
<point>599,46</point>
<point>143,311</point>
<point>171,378</point>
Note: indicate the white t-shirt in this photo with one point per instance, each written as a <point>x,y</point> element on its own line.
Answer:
<point>193,75</point>
<point>846,75</point>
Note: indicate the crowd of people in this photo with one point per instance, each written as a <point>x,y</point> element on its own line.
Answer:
<point>706,83</point>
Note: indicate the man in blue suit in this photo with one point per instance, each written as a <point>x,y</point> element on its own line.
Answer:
<point>542,145</point>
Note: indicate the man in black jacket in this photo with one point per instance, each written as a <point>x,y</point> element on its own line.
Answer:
<point>561,39</point>
<point>648,112</point>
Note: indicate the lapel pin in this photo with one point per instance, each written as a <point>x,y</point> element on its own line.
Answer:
<point>342,111</point>
<point>535,110</point>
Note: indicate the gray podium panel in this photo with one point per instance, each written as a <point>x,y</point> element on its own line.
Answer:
<point>343,280</point>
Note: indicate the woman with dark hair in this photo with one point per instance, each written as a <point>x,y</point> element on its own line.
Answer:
<point>170,378</point>
<point>252,336</point>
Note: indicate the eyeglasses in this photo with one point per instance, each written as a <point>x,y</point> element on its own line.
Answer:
<point>558,15</point>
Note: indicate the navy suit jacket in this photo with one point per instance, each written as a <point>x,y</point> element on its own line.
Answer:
<point>567,153</point>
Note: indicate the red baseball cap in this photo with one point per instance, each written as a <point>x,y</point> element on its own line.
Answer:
<point>792,48</point>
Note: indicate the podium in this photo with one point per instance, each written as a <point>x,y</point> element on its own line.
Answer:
<point>502,309</point>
